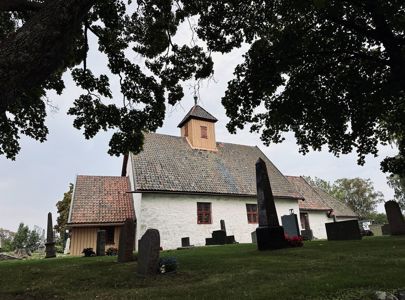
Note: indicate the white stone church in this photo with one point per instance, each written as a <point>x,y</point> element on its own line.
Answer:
<point>183,186</point>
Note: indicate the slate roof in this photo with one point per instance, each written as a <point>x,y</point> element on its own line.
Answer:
<point>313,201</point>
<point>339,208</point>
<point>101,199</point>
<point>197,112</point>
<point>168,163</point>
<point>318,199</point>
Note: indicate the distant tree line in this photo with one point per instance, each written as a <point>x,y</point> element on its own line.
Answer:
<point>23,238</point>
<point>358,193</point>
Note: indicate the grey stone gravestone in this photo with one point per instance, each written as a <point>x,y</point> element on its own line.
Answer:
<point>126,241</point>
<point>148,253</point>
<point>269,234</point>
<point>385,229</point>
<point>307,234</point>
<point>50,241</point>
<point>395,218</point>
<point>100,247</point>
<point>290,225</point>
<point>341,231</point>
<point>254,239</point>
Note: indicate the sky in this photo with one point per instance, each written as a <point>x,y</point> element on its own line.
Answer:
<point>31,185</point>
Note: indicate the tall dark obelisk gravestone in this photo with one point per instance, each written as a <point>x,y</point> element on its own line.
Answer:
<point>100,244</point>
<point>50,241</point>
<point>395,218</point>
<point>269,234</point>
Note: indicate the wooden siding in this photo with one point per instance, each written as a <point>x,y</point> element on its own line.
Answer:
<point>86,237</point>
<point>194,134</point>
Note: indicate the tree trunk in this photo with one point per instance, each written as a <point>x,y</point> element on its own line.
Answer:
<point>39,48</point>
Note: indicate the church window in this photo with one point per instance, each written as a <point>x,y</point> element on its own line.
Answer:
<point>251,210</point>
<point>204,134</point>
<point>304,221</point>
<point>203,213</point>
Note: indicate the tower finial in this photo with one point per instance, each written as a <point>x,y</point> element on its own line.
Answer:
<point>195,100</point>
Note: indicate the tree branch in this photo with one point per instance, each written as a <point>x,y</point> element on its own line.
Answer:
<point>39,48</point>
<point>19,5</point>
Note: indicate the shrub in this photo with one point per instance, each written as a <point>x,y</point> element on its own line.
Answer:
<point>88,252</point>
<point>112,251</point>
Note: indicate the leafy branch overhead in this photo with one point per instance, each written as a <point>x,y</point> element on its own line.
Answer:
<point>332,72</point>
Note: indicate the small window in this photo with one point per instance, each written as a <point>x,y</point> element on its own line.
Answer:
<point>109,234</point>
<point>186,130</point>
<point>204,134</point>
<point>203,213</point>
<point>251,210</point>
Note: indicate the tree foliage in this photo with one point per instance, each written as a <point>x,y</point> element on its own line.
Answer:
<point>359,194</point>
<point>398,184</point>
<point>26,238</point>
<point>332,72</point>
<point>63,207</point>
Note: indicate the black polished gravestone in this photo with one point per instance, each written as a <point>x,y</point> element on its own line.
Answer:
<point>344,230</point>
<point>290,225</point>
<point>395,218</point>
<point>219,237</point>
<point>185,242</point>
<point>269,234</point>
<point>100,243</point>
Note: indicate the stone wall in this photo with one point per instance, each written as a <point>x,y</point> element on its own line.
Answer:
<point>175,216</point>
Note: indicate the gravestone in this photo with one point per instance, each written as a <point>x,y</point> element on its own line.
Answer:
<point>254,239</point>
<point>290,225</point>
<point>185,242</point>
<point>219,237</point>
<point>395,218</point>
<point>100,247</point>
<point>307,234</point>
<point>148,253</point>
<point>126,242</point>
<point>50,241</point>
<point>269,234</point>
<point>223,228</point>
<point>386,229</point>
<point>344,230</point>
<point>376,229</point>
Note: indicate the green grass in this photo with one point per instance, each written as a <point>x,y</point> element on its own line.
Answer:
<point>319,270</point>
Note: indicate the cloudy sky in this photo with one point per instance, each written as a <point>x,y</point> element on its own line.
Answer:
<point>31,185</point>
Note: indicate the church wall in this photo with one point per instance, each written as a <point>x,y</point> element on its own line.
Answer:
<point>175,216</point>
<point>317,220</point>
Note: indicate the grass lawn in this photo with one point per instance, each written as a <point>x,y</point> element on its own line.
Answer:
<point>319,270</point>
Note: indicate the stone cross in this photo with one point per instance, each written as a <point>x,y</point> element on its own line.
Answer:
<point>100,247</point>
<point>127,241</point>
<point>265,199</point>
<point>395,218</point>
<point>148,253</point>
<point>223,225</point>
<point>50,242</point>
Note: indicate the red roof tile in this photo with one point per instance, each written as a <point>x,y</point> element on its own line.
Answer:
<point>313,201</point>
<point>101,199</point>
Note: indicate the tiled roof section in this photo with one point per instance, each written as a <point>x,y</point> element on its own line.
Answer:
<point>197,112</point>
<point>313,201</point>
<point>101,199</point>
<point>339,208</point>
<point>168,163</point>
